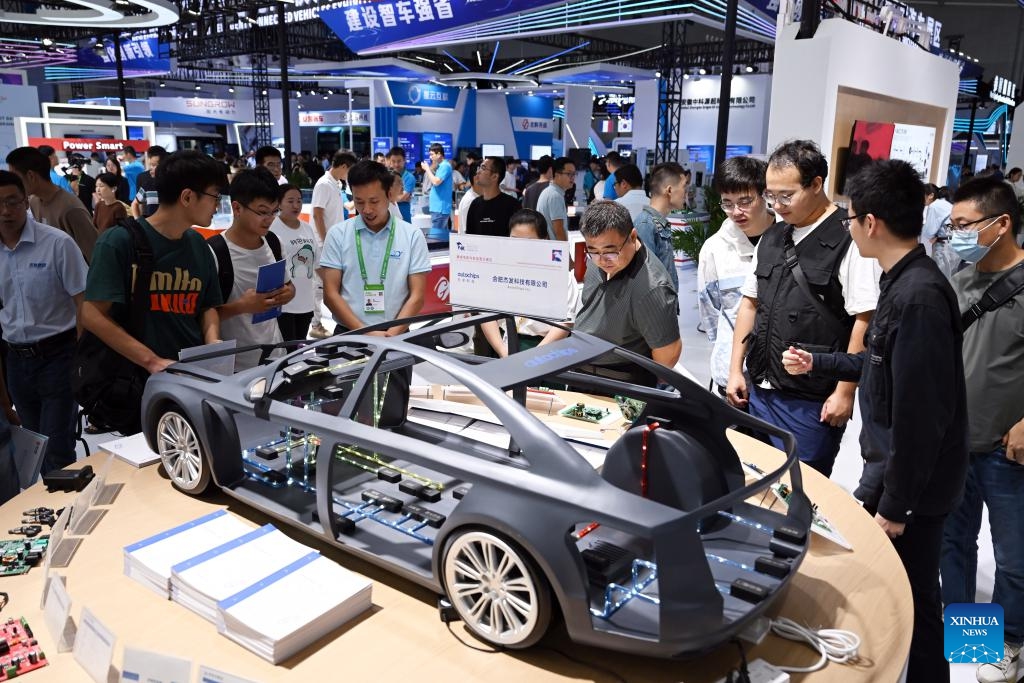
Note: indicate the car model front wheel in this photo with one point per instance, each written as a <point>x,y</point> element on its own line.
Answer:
<point>181,453</point>
<point>496,589</point>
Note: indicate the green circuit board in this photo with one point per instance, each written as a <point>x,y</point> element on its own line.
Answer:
<point>18,555</point>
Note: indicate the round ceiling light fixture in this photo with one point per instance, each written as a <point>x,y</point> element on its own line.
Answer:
<point>100,14</point>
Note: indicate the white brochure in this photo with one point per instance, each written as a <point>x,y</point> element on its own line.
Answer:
<point>142,666</point>
<point>94,647</point>
<point>57,611</point>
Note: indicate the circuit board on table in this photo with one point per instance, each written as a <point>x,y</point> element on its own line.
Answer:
<point>581,411</point>
<point>19,650</point>
<point>18,555</point>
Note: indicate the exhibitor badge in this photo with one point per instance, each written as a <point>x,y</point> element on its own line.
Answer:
<point>973,633</point>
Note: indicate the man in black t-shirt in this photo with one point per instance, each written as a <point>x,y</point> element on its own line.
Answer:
<point>489,213</point>
<point>145,201</point>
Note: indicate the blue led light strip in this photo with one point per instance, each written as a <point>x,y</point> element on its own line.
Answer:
<point>494,55</point>
<point>550,57</point>
<point>364,511</point>
<point>455,59</point>
<point>628,593</point>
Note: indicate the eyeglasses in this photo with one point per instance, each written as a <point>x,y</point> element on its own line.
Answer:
<point>264,215</point>
<point>949,226</point>
<point>741,204</point>
<point>780,199</point>
<point>12,204</point>
<point>607,255</point>
<point>848,220</point>
<point>217,197</point>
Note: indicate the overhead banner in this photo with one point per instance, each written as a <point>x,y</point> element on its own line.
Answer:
<point>423,95</point>
<point>141,53</point>
<point>527,277</point>
<point>368,26</point>
<point>200,110</point>
<point>334,118</point>
<point>86,146</point>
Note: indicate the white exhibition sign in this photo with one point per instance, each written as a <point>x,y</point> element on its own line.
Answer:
<point>334,118</point>
<point>524,276</point>
<point>914,144</point>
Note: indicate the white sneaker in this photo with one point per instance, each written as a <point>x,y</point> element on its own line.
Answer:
<point>318,331</point>
<point>1006,671</point>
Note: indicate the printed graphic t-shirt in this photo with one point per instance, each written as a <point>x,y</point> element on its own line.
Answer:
<point>299,250</point>
<point>183,285</point>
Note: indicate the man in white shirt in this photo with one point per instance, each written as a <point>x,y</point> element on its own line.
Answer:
<point>374,267</point>
<point>551,203</point>
<point>629,188</point>
<point>467,199</point>
<point>776,312</point>
<point>330,207</point>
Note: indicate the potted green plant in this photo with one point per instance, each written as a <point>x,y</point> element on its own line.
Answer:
<point>690,240</point>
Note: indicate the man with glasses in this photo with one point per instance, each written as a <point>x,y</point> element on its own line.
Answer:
<point>42,277</point>
<point>183,291</point>
<point>726,259</point>
<point>551,203</point>
<point>254,206</point>
<point>817,293</point>
<point>984,227</point>
<point>627,297</point>
<point>269,157</point>
<point>490,212</point>
<point>912,397</point>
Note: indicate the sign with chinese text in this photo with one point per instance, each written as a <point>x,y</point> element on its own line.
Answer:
<point>528,277</point>
<point>334,118</point>
<point>423,95</point>
<point>371,26</point>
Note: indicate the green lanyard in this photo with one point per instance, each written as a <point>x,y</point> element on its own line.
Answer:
<point>387,254</point>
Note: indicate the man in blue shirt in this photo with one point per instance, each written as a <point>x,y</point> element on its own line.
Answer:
<point>439,175</point>
<point>42,280</point>
<point>132,168</point>
<point>374,267</point>
<point>56,177</point>
<point>613,162</point>
<point>396,162</point>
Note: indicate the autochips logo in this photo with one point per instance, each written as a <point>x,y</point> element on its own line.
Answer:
<point>973,633</point>
<point>441,289</point>
<point>415,94</point>
<point>542,359</point>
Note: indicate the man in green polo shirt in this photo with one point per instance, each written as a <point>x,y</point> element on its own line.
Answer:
<point>628,298</point>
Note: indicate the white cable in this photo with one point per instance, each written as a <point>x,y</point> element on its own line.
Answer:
<point>834,645</point>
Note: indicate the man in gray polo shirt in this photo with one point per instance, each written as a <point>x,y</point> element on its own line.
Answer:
<point>628,298</point>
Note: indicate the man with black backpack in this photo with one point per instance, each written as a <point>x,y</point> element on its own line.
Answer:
<point>984,225</point>
<point>152,291</point>
<point>240,251</point>
<point>42,277</point>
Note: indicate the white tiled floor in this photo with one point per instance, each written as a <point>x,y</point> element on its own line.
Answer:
<point>696,357</point>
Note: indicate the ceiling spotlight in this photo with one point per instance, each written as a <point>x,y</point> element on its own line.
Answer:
<point>263,92</point>
<point>99,48</point>
<point>46,42</point>
<point>193,12</point>
<point>231,88</point>
<point>330,92</point>
<point>162,84</point>
<point>298,95</point>
<point>312,93</point>
<point>325,97</point>
<point>198,87</point>
<point>750,69</point>
<point>657,74</point>
<point>686,75</point>
<point>529,92</point>
<point>122,3</point>
<point>702,71</point>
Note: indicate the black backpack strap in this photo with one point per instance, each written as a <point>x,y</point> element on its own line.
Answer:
<point>274,242</point>
<point>793,264</point>
<point>225,268</point>
<point>141,274</point>
<point>997,295</point>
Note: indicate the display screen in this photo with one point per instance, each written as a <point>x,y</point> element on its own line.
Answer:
<point>537,151</point>
<point>872,140</point>
<point>410,142</point>
<point>738,151</point>
<point>444,139</point>
<point>492,150</point>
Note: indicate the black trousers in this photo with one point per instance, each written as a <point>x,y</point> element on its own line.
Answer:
<point>294,325</point>
<point>920,548</point>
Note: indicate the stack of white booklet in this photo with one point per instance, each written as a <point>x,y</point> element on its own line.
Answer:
<point>293,607</point>
<point>201,582</point>
<point>149,561</point>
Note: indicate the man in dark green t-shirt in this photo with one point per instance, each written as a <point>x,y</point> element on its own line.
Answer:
<point>183,290</point>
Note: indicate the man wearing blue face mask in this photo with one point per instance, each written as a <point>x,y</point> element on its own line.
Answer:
<point>985,222</point>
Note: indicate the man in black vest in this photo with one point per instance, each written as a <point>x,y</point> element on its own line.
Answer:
<point>810,288</point>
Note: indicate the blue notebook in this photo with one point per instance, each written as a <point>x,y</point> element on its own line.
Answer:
<point>269,277</point>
